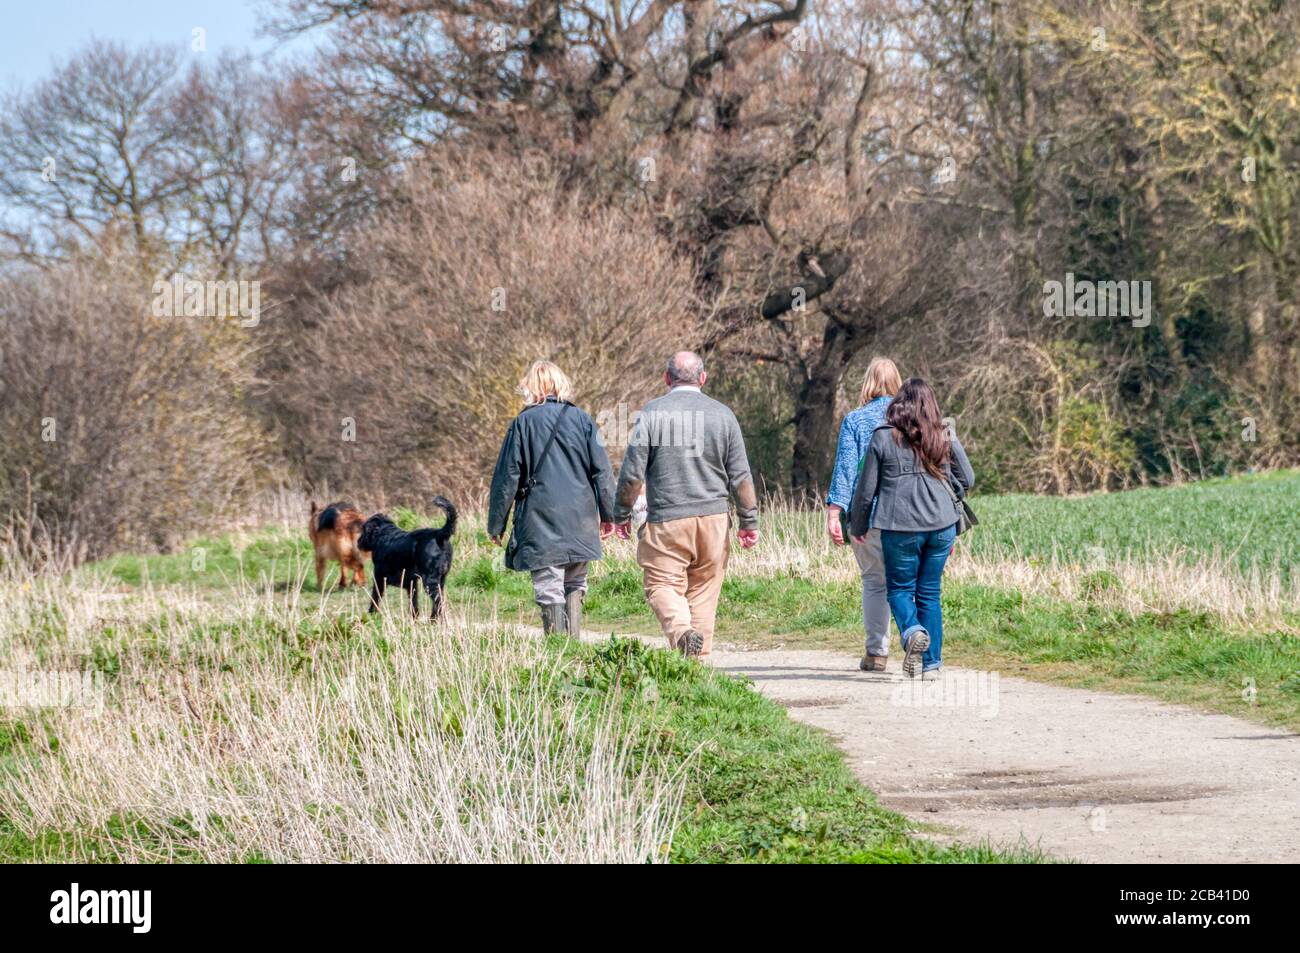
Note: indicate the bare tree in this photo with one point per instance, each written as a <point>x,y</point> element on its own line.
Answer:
<point>188,166</point>
<point>403,378</point>
<point>93,150</point>
<point>121,429</point>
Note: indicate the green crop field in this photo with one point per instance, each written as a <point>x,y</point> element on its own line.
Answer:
<point>1252,521</point>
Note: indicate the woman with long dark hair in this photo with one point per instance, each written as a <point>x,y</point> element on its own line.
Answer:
<point>915,470</point>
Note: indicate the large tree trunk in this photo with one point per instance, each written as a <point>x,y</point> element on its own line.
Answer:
<point>1261,342</point>
<point>814,419</point>
<point>1166,322</point>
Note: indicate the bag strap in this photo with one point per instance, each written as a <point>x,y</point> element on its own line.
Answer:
<point>541,458</point>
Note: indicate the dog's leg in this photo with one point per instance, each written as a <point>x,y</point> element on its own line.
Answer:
<point>435,601</point>
<point>359,572</point>
<point>377,593</point>
<point>343,574</point>
<point>414,590</point>
<point>320,572</point>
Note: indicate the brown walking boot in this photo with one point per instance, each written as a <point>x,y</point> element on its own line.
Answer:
<point>873,663</point>
<point>916,646</point>
<point>691,643</point>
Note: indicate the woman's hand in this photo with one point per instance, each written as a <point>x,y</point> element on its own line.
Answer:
<point>624,530</point>
<point>833,525</point>
<point>860,540</point>
<point>606,529</point>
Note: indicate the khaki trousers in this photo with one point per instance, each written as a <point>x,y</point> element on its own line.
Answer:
<point>683,562</point>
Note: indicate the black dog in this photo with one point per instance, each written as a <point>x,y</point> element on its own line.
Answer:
<point>401,558</point>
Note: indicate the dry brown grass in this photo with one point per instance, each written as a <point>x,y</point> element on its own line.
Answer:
<point>232,730</point>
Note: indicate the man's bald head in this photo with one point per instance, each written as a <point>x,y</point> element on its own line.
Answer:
<point>685,367</point>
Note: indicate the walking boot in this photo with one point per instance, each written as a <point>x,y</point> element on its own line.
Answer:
<point>873,663</point>
<point>573,608</point>
<point>554,618</point>
<point>915,649</point>
<point>691,643</point>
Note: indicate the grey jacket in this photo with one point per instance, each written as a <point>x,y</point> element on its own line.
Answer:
<point>688,451</point>
<point>559,520</point>
<point>906,497</point>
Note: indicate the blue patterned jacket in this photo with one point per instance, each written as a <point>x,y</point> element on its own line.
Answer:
<point>855,438</point>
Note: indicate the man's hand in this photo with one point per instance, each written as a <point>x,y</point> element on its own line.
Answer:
<point>833,525</point>
<point>748,538</point>
<point>623,530</point>
<point>606,529</point>
<point>496,540</point>
<point>860,540</point>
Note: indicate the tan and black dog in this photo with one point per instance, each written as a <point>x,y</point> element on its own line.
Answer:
<point>334,531</point>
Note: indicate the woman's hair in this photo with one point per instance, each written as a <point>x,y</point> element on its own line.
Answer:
<point>544,380</point>
<point>915,417</point>
<point>882,380</point>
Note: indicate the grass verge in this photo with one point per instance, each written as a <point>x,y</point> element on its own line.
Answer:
<point>1185,657</point>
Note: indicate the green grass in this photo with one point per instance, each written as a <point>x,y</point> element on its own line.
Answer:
<point>96,847</point>
<point>1182,656</point>
<point>1252,521</point>
<point>759,787</point>
<point>767,789</point>
<point>1185,657</point>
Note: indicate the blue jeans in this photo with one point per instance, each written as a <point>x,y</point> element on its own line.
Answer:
<point>913,572</point>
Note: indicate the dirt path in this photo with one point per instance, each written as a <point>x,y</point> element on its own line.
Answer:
<point>1082,774</point>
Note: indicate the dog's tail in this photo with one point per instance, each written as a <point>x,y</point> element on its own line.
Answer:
<point>327,517</point>
<point>446,529</point>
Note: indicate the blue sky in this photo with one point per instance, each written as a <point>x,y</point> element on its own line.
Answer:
<point>36,33</point>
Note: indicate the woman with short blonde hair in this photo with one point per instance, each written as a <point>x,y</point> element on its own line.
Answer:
<point>881,380</point>
<point>879,385</point>
<point>554,475</point>
<point>545,380</point>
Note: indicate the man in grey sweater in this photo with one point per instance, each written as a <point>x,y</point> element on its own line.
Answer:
<point>688,453</point>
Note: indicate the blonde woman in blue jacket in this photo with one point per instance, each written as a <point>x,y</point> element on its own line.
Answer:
<point>879,386</point>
